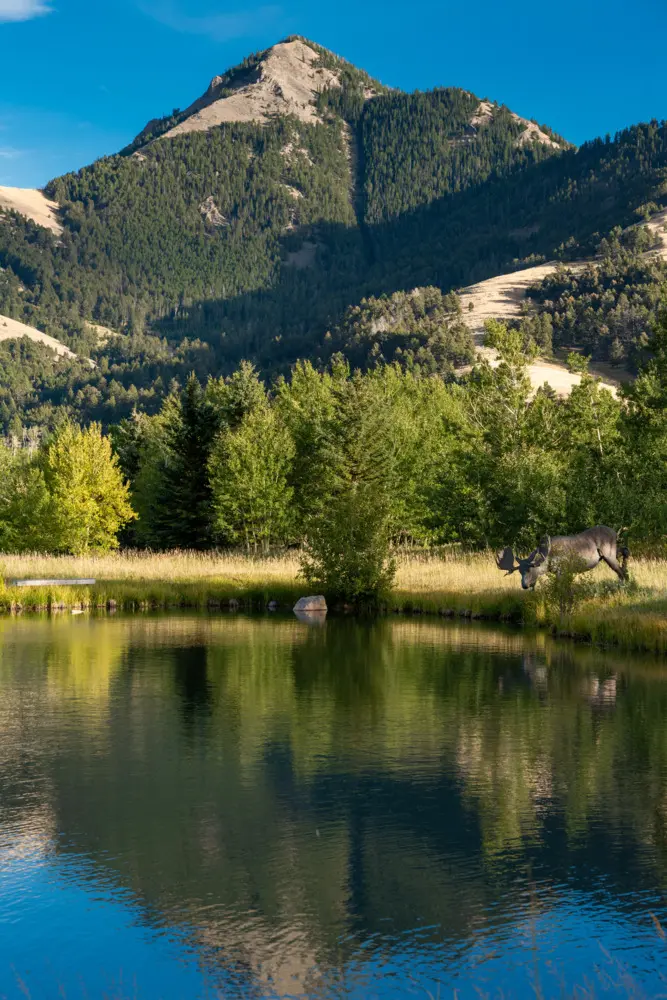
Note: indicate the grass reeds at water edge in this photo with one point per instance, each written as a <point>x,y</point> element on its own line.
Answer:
<point>133,581</point>
<point>451,583</point>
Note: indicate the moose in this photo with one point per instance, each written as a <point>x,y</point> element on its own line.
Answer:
<point>588,548</point>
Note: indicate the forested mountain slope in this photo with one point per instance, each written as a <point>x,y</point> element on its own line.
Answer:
<point>248,225</point>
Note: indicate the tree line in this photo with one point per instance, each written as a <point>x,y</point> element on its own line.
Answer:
<point>481,460</point>
<point>347,463</point>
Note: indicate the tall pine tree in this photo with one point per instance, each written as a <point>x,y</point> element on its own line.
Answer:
<point>184,511</point>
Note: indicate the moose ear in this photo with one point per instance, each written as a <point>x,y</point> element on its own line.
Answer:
<point>545,547</point>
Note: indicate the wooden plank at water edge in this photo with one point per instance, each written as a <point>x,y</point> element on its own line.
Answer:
<point>51,583</point>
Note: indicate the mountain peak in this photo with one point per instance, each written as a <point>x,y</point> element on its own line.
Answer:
<point>283,80</point>
<point>287,79</point>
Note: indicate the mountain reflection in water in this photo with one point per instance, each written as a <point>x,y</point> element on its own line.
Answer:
<point>202,806</point>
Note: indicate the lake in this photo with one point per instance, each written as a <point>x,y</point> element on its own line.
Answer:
<point>228,806</point>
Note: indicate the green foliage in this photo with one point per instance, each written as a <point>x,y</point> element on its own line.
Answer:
<point>537,332</point>
<point>348,100</point>
<point>167,457</point>
<point>233,398</point>
<point>577,363</point>
<point>249,470</point>
<point>88,497</point>
<point>423,425</point>
<point>25,505</point>
<point>67,496</point>
<point>422,327</point>
<point>352,462</point>
<point>183,494</point>
<point>644,424</point>
<point>532,463</point>
<point>349,532</point>
<point>287,241</point>
<point>315,250</point>
<point>526,493</point>
<point>609,308</point>
<point>348,551</point>
<point>562,592</point>
<point>306,405</point>
<point>153,457</point>
<point>253,241</point>
<point>421,147</point>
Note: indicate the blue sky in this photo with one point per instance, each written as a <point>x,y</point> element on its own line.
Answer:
<point>79,78</point>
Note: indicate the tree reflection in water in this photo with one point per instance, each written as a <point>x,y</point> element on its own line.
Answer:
<point>332,810</point>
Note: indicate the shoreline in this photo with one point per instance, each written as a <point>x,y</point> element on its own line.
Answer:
<point>448,583</point>
<point>609,624</point>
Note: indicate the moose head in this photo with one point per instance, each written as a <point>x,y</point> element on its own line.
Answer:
<point>531,568</point>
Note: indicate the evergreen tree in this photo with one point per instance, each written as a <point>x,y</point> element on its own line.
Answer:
<point>183,508</point>
<point>143,453</point>
<point>234,397</point>
<point>349,533</point>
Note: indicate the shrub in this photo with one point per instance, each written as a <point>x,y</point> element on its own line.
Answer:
<point>349,532</point>
<point>348,549</point>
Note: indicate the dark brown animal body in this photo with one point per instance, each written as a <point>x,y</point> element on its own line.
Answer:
<point>586,550</point>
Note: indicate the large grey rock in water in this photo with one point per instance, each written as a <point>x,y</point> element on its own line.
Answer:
<point>311,604</point>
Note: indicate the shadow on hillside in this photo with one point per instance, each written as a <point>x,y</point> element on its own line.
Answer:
<point>453,242</point>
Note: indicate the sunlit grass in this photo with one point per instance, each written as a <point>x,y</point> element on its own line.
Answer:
<point>446,582</point>
<point>423,573</point>
<point>163,567</point>
<point>417,572</point>
<point>136,580</point>
<point>476,572</point>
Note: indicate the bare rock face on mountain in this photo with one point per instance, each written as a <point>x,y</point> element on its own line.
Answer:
<point>212,213</point>
<point>286,82</point>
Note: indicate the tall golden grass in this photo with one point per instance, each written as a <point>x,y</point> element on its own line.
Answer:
<point>134,580</point>
<point>164,567</point>
<point>453,583</point>
<point>418,572</point>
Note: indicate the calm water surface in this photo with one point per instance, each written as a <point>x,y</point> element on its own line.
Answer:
<point>235,807</point>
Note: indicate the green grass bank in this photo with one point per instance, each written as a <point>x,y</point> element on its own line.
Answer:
<point>632,617</point>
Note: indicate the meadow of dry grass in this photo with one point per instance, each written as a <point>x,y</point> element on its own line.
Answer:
<point>136,580</point>
<point>162,567</point>
<point>631,616</point>
<point>452,583</point>
<point>418,573</point>
<point>476,572</point>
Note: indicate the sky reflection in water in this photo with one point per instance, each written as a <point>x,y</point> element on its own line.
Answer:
<point>224,806</point>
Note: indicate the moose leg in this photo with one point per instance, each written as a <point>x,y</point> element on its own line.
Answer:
<point>613,564</point>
